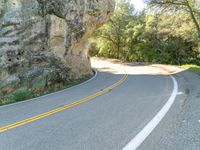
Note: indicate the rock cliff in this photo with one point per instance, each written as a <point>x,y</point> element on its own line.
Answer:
<point>43,43</point>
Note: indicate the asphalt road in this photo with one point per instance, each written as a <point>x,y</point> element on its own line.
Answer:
<point>112,120</point>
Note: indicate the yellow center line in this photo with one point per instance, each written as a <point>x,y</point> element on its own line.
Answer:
<point>59,109</point>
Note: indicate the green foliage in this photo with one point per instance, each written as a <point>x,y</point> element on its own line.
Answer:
<point>151,36</point>
<point>4,101</point>
<point>190,7</point>
<point>111,37</point>
<point>193,68</point>
<point>21,94</point>
<point>40,86</point>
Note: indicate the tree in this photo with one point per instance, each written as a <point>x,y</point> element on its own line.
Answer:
<point>112,35</point>
<point>178,5</point>
<point>135,36</point>
<point>150,36</point>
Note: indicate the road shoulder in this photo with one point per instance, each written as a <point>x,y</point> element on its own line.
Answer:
<point>181,126</point>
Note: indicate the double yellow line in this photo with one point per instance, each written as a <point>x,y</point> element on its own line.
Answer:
<point>59,109</point>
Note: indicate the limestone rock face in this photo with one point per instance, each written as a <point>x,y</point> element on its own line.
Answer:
<point>46,40</point>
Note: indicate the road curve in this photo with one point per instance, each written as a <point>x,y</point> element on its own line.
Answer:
<point>106,121</point>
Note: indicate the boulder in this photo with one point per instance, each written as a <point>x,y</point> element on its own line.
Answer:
<point>45,38</point>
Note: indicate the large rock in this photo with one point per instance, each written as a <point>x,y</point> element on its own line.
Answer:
<point>46,40</point>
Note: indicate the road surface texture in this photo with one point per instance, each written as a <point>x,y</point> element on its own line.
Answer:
<point>154,107</point>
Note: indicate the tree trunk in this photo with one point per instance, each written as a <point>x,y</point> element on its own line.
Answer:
<point>193,17</point>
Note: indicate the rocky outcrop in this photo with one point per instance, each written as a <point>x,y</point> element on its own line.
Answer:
<point>44,42</point>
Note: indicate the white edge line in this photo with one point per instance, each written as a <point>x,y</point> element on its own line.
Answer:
<point>95,75</point>
<point>146,131</point>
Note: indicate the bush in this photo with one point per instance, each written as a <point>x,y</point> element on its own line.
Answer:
<point>21,94</point>
<point>4,101</point>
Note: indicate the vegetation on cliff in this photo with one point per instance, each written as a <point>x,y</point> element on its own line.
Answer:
<point>44,44</point>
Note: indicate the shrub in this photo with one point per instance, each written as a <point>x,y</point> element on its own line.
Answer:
<point>21,94</point>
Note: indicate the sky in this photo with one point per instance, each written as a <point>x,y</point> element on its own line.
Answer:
<point>138,4</point>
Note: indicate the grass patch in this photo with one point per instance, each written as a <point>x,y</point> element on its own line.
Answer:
<point>21,94</point>
<point>192,68</point>
<point>4,101</point>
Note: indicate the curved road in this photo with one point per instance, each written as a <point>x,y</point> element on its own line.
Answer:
<point>119,108</point>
